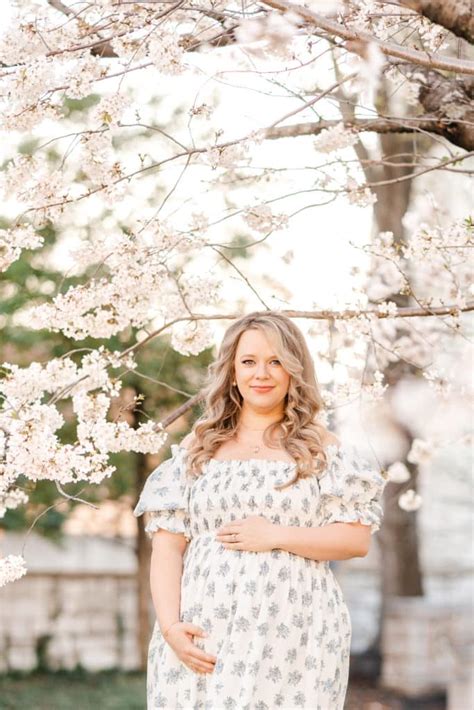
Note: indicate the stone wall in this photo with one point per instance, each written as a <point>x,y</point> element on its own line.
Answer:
<point>76,606</point>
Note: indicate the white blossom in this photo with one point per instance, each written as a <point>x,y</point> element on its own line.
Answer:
<point>410,500</point>
<point>98,160</point>
<point>263,220</point>
<point>165,52</point>
<point>412,347</point>
<point>25,93</point>
<point>376,389</point>
<point>225,156</point>
<point>421,452</point>
<point>388,308</point>
<point>275,30</point>
<point>13,240</point>
<point>191,338</point>
<point>81,76</point>
<point>434,39</point>
<point>385,279</point>
<point>32,183</point>
<point>328,7</point>
<point>438,381</point>
<point>199,222</point>
<point>383,244</point>
<point>335,138</point>
<point>12,567</point>
<point>109,110</point>
<point>105,436</point>
<point>398,472</point>
<point>139,287</point>
<point>201,111</point>
<point>360,196</point>
<point>11,499</point>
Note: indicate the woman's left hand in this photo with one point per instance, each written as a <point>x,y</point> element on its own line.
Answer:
<point>253,534</point>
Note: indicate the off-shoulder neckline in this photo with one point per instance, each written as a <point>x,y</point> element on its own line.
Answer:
<point>254,460</point>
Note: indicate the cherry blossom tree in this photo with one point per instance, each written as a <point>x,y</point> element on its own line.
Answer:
<point>361,98</point>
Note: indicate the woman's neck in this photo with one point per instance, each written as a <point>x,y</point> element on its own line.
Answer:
<point>258,421</point>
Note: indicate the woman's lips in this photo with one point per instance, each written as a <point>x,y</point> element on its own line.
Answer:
<point>263,389</point>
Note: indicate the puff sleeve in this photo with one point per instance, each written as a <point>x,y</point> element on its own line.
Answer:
<point>165,496</point>
<point>351,489</point>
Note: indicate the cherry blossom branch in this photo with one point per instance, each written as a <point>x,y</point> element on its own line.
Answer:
<point>405,312</point>
<point>411,176</point>
<point>461,66</point>
<point>325,314</point>
<point>179,411</point>
<point>311,102</point>
<point>101,47</point>
<point>221,146</point>
<point>161,383</point>
<point>362,125</point>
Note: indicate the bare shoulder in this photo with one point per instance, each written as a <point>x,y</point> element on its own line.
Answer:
<point>187,441</point>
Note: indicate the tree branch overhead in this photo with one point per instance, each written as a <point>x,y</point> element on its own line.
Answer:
<point>457,16</point>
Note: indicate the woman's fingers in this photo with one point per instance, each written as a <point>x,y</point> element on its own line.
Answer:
<point>202,661</point>
<point>200,655</point>
<point>204,658</point>
<point>200,666</point>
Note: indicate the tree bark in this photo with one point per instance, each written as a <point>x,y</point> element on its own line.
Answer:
<point>142,548</point>
<point>454,15</point>
<point>143,551</point>
<point>448,102</point>
<point>401,571</point>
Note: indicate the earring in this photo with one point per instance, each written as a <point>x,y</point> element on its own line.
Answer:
<point>234,383</point>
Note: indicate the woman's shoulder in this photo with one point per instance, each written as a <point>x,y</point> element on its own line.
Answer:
<point>187,441</point>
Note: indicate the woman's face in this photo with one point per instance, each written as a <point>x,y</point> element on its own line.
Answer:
<point>261,379</point>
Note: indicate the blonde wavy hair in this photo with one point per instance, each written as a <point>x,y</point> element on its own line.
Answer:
<point>301,435</point>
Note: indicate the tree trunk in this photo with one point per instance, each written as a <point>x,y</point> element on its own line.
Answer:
<point>398,538</point>
<point>143,551</point>
<point>401,572</point>
<point>142,547</point>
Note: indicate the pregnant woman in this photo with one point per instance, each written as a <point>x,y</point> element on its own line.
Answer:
<point>245,517</point>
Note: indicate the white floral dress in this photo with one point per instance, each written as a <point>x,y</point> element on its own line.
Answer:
<point>276,621</point>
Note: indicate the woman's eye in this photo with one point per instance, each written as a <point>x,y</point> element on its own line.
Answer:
<point>245,362</point>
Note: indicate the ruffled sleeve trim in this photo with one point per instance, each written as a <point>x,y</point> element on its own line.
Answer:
<point>165,496</point>
<point>351,489</point>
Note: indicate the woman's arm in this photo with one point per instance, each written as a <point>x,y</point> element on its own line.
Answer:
<point>166,569</point>
<point>337,541</point>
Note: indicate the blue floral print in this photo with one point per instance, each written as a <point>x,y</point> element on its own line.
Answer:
<point>277,622</point>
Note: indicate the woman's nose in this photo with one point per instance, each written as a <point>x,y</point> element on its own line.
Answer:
<point>262,370</point>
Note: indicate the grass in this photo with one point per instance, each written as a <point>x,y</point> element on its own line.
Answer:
<point>117,690</point>
<point>76,690</point>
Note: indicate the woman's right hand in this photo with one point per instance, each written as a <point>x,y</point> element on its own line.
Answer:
<point>179,637</point>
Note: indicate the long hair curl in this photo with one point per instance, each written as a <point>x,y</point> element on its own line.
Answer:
<point>301,434</point>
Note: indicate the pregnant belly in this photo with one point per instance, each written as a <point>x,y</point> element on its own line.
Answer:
<point>239,597</point>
